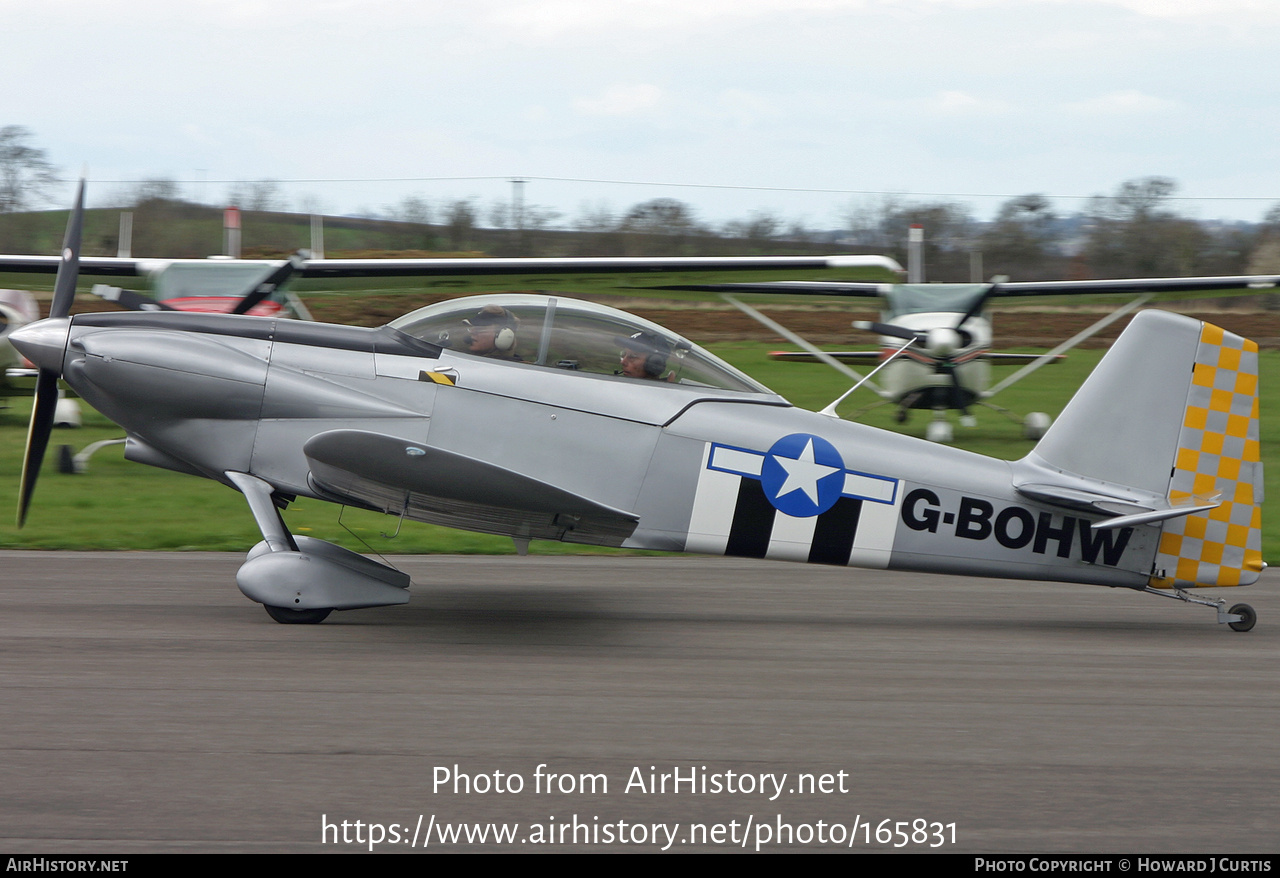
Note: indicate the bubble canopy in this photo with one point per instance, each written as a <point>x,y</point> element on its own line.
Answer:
<point>573,335</point>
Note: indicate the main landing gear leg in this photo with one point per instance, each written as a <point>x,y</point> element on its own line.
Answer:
<point>300,580</point>
<point>1241,617</point>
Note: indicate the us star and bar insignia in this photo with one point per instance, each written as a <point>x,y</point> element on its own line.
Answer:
<point>797,501</point>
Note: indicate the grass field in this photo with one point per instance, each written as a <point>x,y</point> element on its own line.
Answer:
<point>123,505</point>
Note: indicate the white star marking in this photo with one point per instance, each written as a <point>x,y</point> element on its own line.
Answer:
<point>803,474</point>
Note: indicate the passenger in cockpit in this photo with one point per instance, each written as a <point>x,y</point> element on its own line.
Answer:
<point>644,355</point>
<point>492,333</point>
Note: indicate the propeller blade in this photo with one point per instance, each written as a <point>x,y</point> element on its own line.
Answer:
<point>42,413</point>
<point>45,404</point>
<point>886,329</point>
<point>64,288</point>
<point>270,283</point>
<point>976,308</point>
<point>130,300</point>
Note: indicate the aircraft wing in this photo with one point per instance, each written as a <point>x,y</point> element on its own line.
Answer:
<point>444,487</point>
<point>597,274</point>
<point>100,266</point>
<point>1243,284</point>
<point>797,288</point>
<point>567,275</point>
<point>1237,284</point>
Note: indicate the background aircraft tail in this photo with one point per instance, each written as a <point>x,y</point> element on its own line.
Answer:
<point>1168,424</point>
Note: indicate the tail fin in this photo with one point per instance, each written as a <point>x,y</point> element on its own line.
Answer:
<point>1172,412</point>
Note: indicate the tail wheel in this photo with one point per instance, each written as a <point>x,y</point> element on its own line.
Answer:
<point>286,616</point>
<point>1248,618</point>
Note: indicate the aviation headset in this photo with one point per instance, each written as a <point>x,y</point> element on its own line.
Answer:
<point>504,338</point>
<point>654,347</point>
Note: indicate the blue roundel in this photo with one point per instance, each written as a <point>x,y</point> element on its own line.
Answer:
<point>803,475</point>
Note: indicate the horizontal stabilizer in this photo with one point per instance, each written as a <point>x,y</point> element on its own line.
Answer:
<point>996,359</point>
<point>1124,506</point>
<point>844,356</point>
<point>1153,516</point>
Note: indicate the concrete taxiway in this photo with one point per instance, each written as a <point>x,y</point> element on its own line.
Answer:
<point>149,707</point>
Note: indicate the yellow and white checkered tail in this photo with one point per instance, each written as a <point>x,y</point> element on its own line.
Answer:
<point>1217,458</point>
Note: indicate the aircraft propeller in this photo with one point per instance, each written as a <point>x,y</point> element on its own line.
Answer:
<point>940,342</point>
<point>46,397</point>
<point>271,282</point>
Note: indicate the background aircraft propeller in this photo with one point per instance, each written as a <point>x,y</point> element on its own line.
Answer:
<point>974,310</point>
<point>46,398</point>
<point>270,283</point>
<point>941,343</point>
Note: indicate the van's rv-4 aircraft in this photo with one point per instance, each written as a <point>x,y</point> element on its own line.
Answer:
<point>519,415</point>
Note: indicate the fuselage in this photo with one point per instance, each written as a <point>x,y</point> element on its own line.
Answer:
<point>345,414</point>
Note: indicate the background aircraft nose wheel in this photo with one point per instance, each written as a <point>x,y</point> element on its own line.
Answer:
<point>286,616</point>
<point>1035,425</point>
<point>1248,618</point>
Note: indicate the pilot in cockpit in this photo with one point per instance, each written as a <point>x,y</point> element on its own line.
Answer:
<point>644,355</point>
<point>492,333</point>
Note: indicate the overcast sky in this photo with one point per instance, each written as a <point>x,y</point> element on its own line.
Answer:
<point>937,98</point>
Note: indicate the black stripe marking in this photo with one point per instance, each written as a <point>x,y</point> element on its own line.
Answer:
<point>833,535</point>
<point>752,521</point>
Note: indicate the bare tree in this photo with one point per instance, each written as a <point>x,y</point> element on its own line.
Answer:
<point>1022,240</point>
<point>659,226</point>
<point>261,195</point>
<point>868,222</point>
<point>415,233</point>
<point>1265,258</point>
<point>597,231</point>
<point>949,232</point>
<point>460,223</point>
<point>25,173</point>
<point>312,204</point>
<point>758,231</point>
<point>154,189</point>
<point>1135,233</point>
<point>500,214</point>
<point>414,209</point>
<point>596,217</point>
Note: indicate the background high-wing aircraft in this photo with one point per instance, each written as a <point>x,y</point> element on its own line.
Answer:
<point>518,415</point>
<point>947,366</point>
<point>238,286</point>
<point>217,285</point>
<point>17,309</point>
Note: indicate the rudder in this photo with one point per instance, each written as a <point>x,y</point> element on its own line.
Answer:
<point>1171,413</point>
<point>1219,453</point>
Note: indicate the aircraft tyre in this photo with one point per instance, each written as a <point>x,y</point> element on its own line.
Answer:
<point>1035,425</point>
<point>1248,618</point>
<point>286,616</point>
<point>939,431</point>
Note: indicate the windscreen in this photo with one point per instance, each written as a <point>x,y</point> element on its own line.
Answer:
<point>568,334</point>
